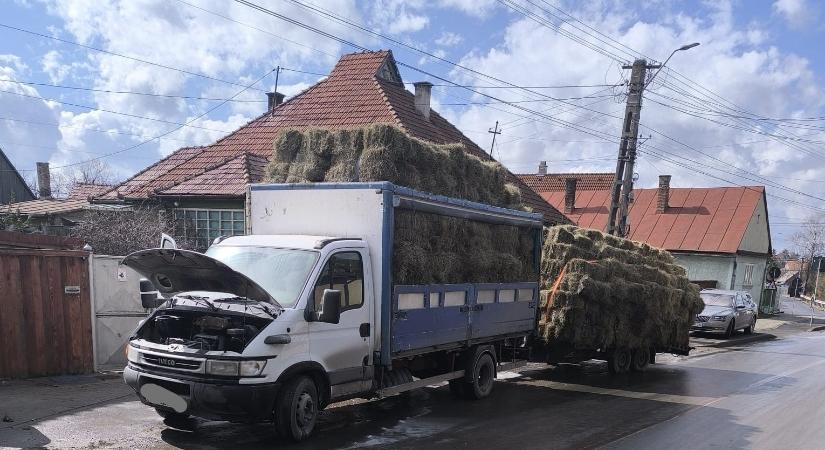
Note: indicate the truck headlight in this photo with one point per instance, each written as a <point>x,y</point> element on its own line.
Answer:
<point>252,368</point>
<point>132,355</point>
<point>235,368</point>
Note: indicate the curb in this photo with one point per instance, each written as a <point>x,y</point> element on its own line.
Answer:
<point>745,340</point>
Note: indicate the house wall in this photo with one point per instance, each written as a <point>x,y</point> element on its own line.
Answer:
<point>12,186</point>
<point>757,239</point>
<point>756,285</point>
<point>703,267</point>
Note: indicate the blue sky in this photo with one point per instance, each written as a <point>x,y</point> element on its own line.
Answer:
<point>761,57</point>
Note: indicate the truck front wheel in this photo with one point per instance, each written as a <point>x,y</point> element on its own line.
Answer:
<point>484,375</point>
<point>619,361</point>
<point>296,410</point>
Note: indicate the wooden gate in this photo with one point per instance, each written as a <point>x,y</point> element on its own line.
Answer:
<point>45,319</point>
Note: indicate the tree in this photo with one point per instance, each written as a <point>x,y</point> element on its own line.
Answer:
<point>810,241</point>
<point>119,232</point>
<point>92,172</point>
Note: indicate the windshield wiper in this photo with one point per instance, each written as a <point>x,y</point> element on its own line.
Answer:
<point>264,306</point>
<point>201,300</point>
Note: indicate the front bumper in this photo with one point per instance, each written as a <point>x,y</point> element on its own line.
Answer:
<point>211,400</point>
<point>710,326</point>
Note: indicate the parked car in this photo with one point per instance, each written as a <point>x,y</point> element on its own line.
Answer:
<point>726,312</point>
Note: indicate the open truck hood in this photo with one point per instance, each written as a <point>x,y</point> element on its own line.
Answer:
<point>172,271</point>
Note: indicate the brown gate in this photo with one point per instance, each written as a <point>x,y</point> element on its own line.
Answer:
<point>45,319</point>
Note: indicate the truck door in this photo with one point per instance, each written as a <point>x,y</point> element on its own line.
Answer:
<point>344,348</point>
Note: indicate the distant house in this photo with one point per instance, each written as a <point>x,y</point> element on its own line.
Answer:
<point>56,216</point>
<point>13,187</point>
<point>206,186</point>
<point>721,235</point>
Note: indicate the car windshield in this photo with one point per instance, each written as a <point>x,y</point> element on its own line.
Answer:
<point>282,272</point>
<point>717,299</point>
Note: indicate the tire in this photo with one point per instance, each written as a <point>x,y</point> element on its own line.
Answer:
<point>749,329</point>
<point>619,361</point>
<point>484,377</point>
<point>641,357</point>
<point>176,420</point>
<point>296,410</point>
<point>731,329</point>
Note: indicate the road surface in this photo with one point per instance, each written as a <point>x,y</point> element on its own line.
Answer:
<point>765,395</point>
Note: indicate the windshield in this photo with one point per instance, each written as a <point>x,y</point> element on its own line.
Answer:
<point>282,272</point>
<point>717,299</point>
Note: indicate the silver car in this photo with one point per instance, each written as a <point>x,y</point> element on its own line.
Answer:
<point>726,312</point>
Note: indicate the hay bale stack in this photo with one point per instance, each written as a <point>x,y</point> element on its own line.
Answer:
<point>428,249</point>
<point>600,291</point>
<point>383,152</point>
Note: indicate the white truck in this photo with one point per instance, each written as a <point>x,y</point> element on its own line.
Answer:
<point>303,311</point>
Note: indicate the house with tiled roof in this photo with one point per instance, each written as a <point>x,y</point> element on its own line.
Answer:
<point>13,187</point>
<point>206,185</point>
<point>721,235</point>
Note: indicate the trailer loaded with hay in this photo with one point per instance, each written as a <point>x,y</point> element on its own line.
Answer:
<point>604,297</point>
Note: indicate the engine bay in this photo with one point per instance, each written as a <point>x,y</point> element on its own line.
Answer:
<point>202,330</point>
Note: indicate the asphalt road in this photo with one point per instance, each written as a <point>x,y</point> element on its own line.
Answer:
<point>764,395</point>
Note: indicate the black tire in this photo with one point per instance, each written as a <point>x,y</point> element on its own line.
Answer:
<point>749,328</point>
<point>731,329</point>
<point>297,407</point>
<point>641,357</point>
<point>619,361</point>
<point>484,377</point>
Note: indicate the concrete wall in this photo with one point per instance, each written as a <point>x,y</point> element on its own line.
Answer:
<point>708,267</point>
<point>756,238</point>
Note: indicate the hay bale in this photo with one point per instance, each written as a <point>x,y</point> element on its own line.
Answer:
<point>428,248</point>
<point>612,292</point>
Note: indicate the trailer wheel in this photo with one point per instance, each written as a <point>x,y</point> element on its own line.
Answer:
<point>641,357</point>
<point>619,361</point>
<point>484,376</point>
<point>297,409</point>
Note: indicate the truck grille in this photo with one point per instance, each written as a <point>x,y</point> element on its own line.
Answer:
<point>702,318</point>
<point>171,363</point>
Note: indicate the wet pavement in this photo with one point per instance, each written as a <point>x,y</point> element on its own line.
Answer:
<point>758,395</point>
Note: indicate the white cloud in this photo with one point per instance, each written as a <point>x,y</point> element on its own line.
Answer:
<point>796,12</point>
<point>54,68</point>
<point>449,39</point>
<point>476,8</point>
<point>398,16</point>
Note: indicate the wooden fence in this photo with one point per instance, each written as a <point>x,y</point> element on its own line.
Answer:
<point>45,319</point>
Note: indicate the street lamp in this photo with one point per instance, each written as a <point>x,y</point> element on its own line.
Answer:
<point>680,49</point>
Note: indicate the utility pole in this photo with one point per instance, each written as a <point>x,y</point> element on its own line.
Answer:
<point>623,181</point>
<point>494,132</point>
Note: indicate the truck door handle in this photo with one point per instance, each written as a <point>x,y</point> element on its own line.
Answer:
<point>478,307</point>
<point>464,309</point>
<point>364,330</point>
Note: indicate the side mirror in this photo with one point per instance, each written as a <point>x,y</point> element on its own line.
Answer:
<point>167,241</point>
<point>149,297</point>
<point>330,306</point>
<point>740,306</point>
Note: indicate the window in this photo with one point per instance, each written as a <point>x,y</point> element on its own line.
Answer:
<point>203,225</point>
<point>748,281</point>
<point>343,272</point>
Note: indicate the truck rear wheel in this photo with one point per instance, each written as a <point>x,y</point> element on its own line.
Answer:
<point>296,410</point>
<point>484,376</point>
<point>619,361</point>
<point>641,357</point>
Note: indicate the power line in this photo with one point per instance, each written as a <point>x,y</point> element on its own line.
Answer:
<point>121,55</point>
<point>108,91</point>
<point>96,130</point>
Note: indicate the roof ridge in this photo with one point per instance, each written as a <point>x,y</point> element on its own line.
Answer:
<point>115,187</point>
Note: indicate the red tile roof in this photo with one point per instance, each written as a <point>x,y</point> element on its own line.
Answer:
<point>228,179</point>
<point>697,219</point>
<point>555,181</point>
<point>362,89</point>
<point>83,191</point>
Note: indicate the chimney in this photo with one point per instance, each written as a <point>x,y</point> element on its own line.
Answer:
<point>664,194</point>
<point>423,90</point>
<point>44,180</point>
<point>543,168</point>
<point>274,99</point>
<point>570,194</point>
